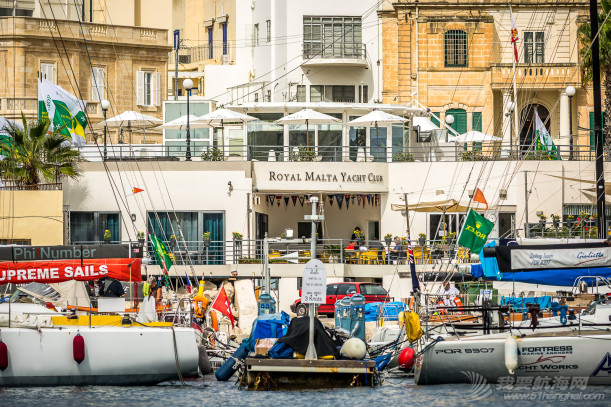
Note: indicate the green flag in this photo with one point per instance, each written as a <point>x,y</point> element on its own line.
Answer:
<point>475,231</point>
<point>544,140</point>
<point>63,110</point>
<point>161,251</point>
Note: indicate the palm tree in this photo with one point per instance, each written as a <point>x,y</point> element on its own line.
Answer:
<point>604,41</point>
<point>33,152</point>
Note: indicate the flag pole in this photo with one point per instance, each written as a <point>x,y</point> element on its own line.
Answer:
<point>515,90</point>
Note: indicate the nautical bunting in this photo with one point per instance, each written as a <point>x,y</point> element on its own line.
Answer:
<point>286,201</point>
<point>347,197</point>
<point>352,198</point>
<point>301,199</point>
<point>340,200</point>
<point>294,199</point>
<point>330,199</point>
<point>369,199</point>
<point>272,199</point>
<point>358,200</point>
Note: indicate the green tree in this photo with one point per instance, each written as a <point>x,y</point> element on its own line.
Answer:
<point>34,153</point>
<point>604,41</point>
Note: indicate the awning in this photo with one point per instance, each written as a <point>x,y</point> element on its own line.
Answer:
<point>438,203</point>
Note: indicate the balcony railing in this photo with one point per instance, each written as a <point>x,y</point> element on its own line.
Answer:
<point>298,251</point>
<point>334,51</point>
<point>569,228</point>
<point>417,153</point>
<point>536,75</point>
<point>8,186</point>
<point>217,51</point>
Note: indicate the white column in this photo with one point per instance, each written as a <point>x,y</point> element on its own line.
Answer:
<point>506,130</point>
<point>565,131</point>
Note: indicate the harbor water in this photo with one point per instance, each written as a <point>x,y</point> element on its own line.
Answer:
<point>395,391</point>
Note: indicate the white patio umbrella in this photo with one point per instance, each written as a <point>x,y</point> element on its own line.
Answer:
<point>375,119</point>
<point>307,117</point>
<point>130,119</point>
<point>221,117</point>
<point>473,136</point>
<point>181,123</point>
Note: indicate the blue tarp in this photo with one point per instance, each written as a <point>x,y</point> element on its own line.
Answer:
<point>270,326</point>
<point>519,303</point>
<point>389,310</point>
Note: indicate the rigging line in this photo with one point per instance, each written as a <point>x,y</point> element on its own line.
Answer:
<point>70,65</point>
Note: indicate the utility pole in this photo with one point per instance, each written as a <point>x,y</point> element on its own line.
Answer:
<point>598,131</point>
<point>526,228</point>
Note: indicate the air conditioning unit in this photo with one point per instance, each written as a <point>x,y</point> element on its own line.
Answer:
<point>225,59</point>
<point>184,59</point>
<point>502,194</point>
<point>470,193</point>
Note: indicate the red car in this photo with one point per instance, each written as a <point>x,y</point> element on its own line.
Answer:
<point>336,291</point>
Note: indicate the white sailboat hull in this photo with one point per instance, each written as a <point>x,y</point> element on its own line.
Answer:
<point>113,355</point>
<point>450,361</point>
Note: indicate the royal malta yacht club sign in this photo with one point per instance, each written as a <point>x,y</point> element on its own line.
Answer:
<point>319,176</point>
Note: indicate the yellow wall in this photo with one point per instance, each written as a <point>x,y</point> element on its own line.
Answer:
<point>33,215</point>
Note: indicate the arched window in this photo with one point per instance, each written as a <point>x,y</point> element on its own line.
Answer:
<point>455,45</point>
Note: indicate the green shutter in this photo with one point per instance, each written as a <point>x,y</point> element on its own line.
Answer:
<point>592,134</point>
<point>476,121</point>
<point>434,119</point>
<point>460,120</point>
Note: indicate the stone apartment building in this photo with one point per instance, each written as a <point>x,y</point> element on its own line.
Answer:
<point>456,57</point>
<point>124,64</point>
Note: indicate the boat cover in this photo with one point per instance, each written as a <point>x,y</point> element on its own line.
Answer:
<point>389,311</point>
<point>297,338</point>
<point>270,325</point>
<point>519,303</point>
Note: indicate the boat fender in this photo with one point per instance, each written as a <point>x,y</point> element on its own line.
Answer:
<point>78,348</point>
<point>203,361</point>
<point>407,358</point>
<point>228,368</point>
<point>563,312</point>
<point>3,356</point>
<point>353,348</point>
<point>214,321</point>
<point>511,354</point>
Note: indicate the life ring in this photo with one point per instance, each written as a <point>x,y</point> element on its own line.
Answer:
<point>200,303</point>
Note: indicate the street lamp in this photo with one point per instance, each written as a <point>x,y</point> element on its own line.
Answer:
<point>510,108</point>
<point>570,92</point>
<point>188,85</point>
<point>105,106</point>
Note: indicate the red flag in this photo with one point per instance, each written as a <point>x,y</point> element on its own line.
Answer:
<point>221,304</point>
<point>514,34</point>
<point>478,196</point>
<point>136,190</point>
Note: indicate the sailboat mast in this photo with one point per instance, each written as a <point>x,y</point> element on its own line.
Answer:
<point>600,174</point>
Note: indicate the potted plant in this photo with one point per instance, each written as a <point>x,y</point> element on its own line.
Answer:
<point>556,221</point>
<point>542,219</point>
<point>332,251</point>
<point>422,239</point>
<point>237,240</point>
<point>388,239</point>
<point>571,220</point>
<point>452,237</point>
<point>140,236</point>
<point>107,236</point>
<point>174,241</point>
<point>206,239</point>
<point>359,235</point>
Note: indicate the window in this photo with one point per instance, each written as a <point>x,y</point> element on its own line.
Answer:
<point>301,93</point>
<point>455,43</point>
<point>268,23</point>
<point>210,43</point>
<point>89,227</point>
<point>372,289</point>
<point>332,289</point>
<point>97,84</point>
<point>47,71</point>
<point>363,97</point>
<point>224,28</point>
<point>149,86</point>
<point>476,121</point>
<point>332,37</point>
<point>460,120</point>
<point>256,97</point>
<point>19,242</point>
<point>593,134</point>
<point>341,94</point>
<point>255,35</point>
<point>269,95</point>
<point>345,289</point>
<point>316,92</point>
<point>534,47</point>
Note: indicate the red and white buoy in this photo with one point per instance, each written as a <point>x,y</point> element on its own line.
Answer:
<point>78,348</point>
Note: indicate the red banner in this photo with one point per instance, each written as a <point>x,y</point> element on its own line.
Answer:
<point>56,271</point>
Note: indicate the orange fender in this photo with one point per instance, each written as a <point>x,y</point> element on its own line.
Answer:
<point>214,321</point>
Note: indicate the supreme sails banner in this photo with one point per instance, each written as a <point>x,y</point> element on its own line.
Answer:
<point>63,110</point>
<point>56,271</point>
